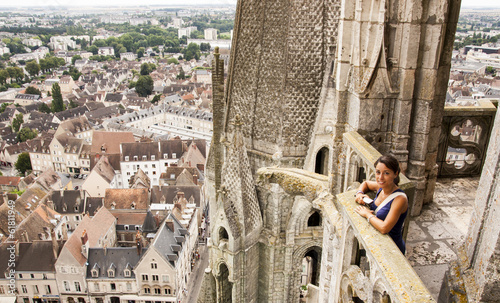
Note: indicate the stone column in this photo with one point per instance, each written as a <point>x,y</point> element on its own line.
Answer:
<point>475,276</point>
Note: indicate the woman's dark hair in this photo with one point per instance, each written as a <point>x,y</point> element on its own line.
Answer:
<point>392,163</point>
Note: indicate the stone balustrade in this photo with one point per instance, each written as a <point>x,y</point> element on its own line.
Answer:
<point>465,133</point>
<point>357,261</point>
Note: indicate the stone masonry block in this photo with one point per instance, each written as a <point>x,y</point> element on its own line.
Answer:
<point>434,135</point>
<point>411,42</point>
<point>418,146</point>
<point>426,81</point>
<point>402,117</point>
<point>431,52</point>
<point>436,11</point>
<point>422,116</point>
<point>406,84</point>
<point>411,11</point>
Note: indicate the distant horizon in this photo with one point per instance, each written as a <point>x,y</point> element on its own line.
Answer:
<point>466,4</point>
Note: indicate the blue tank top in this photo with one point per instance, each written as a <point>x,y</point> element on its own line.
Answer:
<point>396,232</point>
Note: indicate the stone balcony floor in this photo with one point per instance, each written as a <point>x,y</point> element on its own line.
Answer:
<point>433,236</point>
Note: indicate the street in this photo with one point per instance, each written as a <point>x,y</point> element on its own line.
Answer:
<point>195,280</point>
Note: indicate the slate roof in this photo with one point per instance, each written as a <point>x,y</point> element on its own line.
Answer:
<point>118,258</point>
<point>38,224</point>
<point>169,241</point>
<point>129,218</point>
<point>140,149</point>
<point>71,113</point>
<point>104,169</point>
<point>68,201</point>
<point>92,205</point>
<point>37,256</point>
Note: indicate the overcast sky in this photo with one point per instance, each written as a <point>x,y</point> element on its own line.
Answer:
<point>465,3</point>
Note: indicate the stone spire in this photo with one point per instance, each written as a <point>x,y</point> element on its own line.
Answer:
<point>240,198</point>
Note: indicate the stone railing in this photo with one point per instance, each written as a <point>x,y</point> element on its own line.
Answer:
<point>357,261</point>
<point>465,134</point>
<point>359,160</point>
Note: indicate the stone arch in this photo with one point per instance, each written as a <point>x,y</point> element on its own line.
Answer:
<point>321,162</point>
<point>224,285</point>
<point>380,293</point>
<point>223,234</point>
<point>314,219</point>
<point>355,286</point>
<point>295,276</point>
<point>301,211</point>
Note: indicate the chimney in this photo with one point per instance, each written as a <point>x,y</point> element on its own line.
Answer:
<point>105,249</point>
<point>50,203</point>
<point>170,224</point>
<point>25,236</point>
<point>55,245</point>
<point>84,237</point>
<point>138,242</point>
<point>180,195</point>
<point>195,179</point>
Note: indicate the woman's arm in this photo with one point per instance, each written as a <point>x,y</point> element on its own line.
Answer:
<point>365,187</point>
<point>398,206</point>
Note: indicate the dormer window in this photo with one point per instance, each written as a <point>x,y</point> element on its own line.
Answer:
<point>135,158</point>
<point>127,273</point>
<point>165,156</point>
<point>132,206</point>
<point>113,205</point>
<point>95,273</point>
<point>76,208</point>
<point>111,273</point>
<point>153,158</point>
<point>126,158</point>
<point>174,156</point>
<point>144,158</point>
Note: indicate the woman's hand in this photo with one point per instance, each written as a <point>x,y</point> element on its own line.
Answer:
<point>363,211</point>
<point>359,198</point>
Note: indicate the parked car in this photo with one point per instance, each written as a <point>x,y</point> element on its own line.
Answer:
<point>76,187</point>
<point>84,177</point>
<point>80,176</point>
<point>75,176</point>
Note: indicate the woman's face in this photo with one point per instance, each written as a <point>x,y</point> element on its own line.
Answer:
<point>384,175</point>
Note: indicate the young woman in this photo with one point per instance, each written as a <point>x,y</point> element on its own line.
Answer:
<point>386,216</point>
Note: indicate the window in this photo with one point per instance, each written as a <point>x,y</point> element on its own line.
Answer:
<point>48,290</point>
<point>129,286</point>
<point>96,286</point>
<point>154,266</point>
<point>35,289</point>
<point>126,227</point>
<point>137,227</point>
<point>144,277</point>
<point>157,291</point>
<point>128,173</point>
<point>95,274</point>
<point>155,278</point>
<point>153,165</point>
<point>153,157</point>
<point>2,291</point>
<point>20,276</point>
<point>147,290</point>
<point>168,291</point>
<point>135,158</point>
<point>77,286</point>
<point>144,158</point>
<point>44,276</point>
<point>111,273</point>
<point>174,155</point>
<point>113,286</point>
<point>165,278</point>
<point>66,286</point>
<point>126,158</point>
<point>24,289</point>
<point>165,156</point>
<point>32,276</point>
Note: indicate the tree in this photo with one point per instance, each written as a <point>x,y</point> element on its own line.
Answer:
<point>33,91</point>
<point>72,104</point>
<point>74,58</point>
<point>144,86</point>
<point>26,134</point>
<point>205,47</point>
<point>4,106</point>
<point>33,68</point>
<point>172,60</point>
<point>57,100</point>
<point>140,52</point>
<point>146,69</point>
<point>181,75</point>
<point>44,108</point>
<point>16,123</point>
<point>93,49</point>
<point>156,98</point>
<point>23,163</point>
<point>4,75</point>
